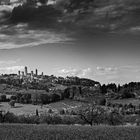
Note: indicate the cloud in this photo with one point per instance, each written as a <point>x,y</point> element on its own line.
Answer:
<point>20,36</point>
<point>12,69</point>
<point>75,72</point>
<point>9,62</point>
<point>120,74</point>
<point>130,68</point>
<point>86,71</point>
<point>106,70</point>
<point>107,74</point>
<point>100,68</point>
<point>10,66</point>
<point>12,45</point>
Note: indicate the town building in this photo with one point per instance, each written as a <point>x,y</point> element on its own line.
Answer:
<point>36,72</point>
<point>26,71</point>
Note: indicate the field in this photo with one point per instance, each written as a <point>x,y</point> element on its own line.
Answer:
<point>135,102</point>
<point>61,132</point>
<point>20,109</point>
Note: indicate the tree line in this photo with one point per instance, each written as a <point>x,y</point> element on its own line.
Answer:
<point>128,90</point>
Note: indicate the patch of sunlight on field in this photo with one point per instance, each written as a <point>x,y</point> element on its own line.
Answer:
<point>29,109</point>
<point>20,109</point>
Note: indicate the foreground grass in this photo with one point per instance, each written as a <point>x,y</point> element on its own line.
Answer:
<point>60,132</point>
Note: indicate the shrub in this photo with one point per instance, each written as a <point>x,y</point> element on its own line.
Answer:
<point>12,103</point>
<point>66,119</point>
<point>114,118</point>
<point>18,96</point>
<point>45,99</point>
<point>35,98</point>
<point>102,101</point>
<point>50,111</point>
<point>50,119</point>
<point>26,98</point>
<point>73,112</point>
<point>56,119</point>
<point>10,118</point>
<point>62,112</point>
<point>29,119</point>
<point>13,97</point>
<point>2,116</point>
<point>69,119</point>
<point>55,97</point>
<point>3,98</point>
<point>45,118</point>
<point>131,119</point>
<point>138,121</point>
<point>126,93</point>
<point>93,114</point>
<point>88,113</point>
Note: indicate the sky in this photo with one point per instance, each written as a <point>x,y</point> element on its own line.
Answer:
<point>104,58</point>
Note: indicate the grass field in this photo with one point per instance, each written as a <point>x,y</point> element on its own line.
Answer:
<point>127,101</point>
<point>60,132</point>
<point>20,109</point>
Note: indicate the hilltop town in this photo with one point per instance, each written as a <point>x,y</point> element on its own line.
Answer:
<point>70,87</point>
<point>32,83</point>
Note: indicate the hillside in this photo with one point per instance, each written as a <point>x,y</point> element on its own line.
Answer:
<point>48,89</point>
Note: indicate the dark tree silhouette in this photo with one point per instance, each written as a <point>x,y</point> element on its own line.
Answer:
<point>43,1</point>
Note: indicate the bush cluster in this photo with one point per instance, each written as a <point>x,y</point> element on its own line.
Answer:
<point>52,118</point>
<point>3,98</point>
<point>47,118</point>
<point>38,98</point>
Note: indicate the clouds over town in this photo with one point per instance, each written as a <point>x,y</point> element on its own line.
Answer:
<point>105,74</point>
<point>108,74</point>
<point>75,72</point>
<point>22,36</point>
<point>10,66</point>
<point>121,74</point>
<point>8,62</point>
<point>11,69</point>
<point>106,70</point>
